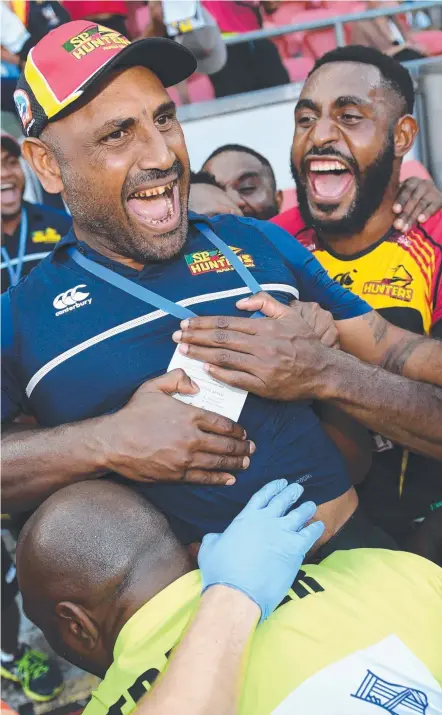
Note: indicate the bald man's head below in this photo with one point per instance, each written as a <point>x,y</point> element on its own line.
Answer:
<point>87,560</point>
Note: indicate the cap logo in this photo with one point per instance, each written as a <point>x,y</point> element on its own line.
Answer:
<point>93,38</point>
<point>23,106</point>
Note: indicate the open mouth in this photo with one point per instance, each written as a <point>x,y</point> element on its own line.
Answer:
<point>10,193</point>
<point>329,179</point>
<point>157,207</point>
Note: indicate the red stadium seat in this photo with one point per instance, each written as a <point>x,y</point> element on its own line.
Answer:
<point>412,167</point>
<point>429,40</point>
<point>316,42</point>
<point>174,94</point>
<point>298,67</point>
<point>200,88</point>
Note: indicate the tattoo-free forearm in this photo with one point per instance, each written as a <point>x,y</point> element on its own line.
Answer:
<point>204,674</point>
<point>37,462</point>
<point>408,412</point>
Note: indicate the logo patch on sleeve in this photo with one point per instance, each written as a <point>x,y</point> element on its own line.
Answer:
<point>214,262</point>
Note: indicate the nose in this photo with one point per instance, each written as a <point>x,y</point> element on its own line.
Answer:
<point>324,132</point>
<point>154,151</point>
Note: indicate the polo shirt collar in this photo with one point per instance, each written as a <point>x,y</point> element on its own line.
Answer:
<point>71,240</point>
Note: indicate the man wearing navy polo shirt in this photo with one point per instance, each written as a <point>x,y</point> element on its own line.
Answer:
<point>86,357</point>
<point>29,231</point>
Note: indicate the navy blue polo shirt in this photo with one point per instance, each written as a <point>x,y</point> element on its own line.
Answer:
<point>76,347</point>
<point>46,226</point>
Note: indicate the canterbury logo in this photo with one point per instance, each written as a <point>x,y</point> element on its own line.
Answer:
<point>71,299</point>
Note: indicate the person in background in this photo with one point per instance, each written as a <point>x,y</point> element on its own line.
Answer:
<point>251,632</point>
<point>346,159</point>
<point>39,18</point>
<point>39,676</point>
<point>250,65</point>
<point>111,13</point>
<point>389,35</point>
<point>248,178</point>
<point>29,231</point>
<point>209,198</point>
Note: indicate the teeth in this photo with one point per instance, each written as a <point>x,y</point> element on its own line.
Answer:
<point>327,166</point>
<point>156,191</point>
<point>5,187</point>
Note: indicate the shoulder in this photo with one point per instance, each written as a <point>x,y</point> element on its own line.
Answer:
<point>432,229</point>
<point>50,214</point>
<point>290,221</point>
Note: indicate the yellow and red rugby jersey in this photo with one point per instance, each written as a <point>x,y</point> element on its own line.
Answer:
<point>400,275</point>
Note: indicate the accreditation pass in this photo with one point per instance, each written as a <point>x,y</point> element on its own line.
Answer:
<point>214,395</point>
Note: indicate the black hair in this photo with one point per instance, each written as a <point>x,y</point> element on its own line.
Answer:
<point>245,150</point>
<point>394,74</point>
<point>203,177</point>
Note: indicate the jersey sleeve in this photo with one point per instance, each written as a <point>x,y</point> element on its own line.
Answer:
<point>12,394</point>
<point>313,281</point>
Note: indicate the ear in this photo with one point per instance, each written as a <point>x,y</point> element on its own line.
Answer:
<point>404,135</point>
<point>42,160</point>
<point>77,628</point>
<point>279,197</point>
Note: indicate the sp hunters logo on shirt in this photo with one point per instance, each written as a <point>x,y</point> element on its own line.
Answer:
<point>214,262</point>
<point>398,286</point>
<point>96,36</point>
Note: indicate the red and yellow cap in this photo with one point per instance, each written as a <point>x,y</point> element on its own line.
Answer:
<point>71,58</point>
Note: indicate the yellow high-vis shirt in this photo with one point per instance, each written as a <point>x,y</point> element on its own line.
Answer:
<point>358,633</point>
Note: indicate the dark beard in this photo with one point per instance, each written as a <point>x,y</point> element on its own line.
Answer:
<point>95,217</point>
<point>264,215</point>
<point>370,190</point>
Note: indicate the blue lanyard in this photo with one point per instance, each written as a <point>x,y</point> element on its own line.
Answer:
<point>152,298</point>
<point>15,273</point>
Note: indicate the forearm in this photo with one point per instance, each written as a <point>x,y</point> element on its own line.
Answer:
<point>408,412</point>
<point>37,462</point>
<point>204,674</point>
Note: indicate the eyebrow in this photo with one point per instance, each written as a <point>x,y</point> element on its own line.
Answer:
<point>113,125</point>
<point>347,99</point>
<point>165,107</point>
<point>307,104</point>
<point>248,175</point>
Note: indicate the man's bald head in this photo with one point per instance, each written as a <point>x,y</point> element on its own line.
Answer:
<point>80,559</point>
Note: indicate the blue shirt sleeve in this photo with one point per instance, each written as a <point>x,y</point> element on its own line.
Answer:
<point>12,394</point>
<point>313,282</point>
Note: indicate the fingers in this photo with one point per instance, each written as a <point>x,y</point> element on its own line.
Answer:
<point>413,207</point>
<point>297,518</point>
<point>200,476</point>
<point>174,381</point>
<point>282,502</point>
<point>264,303</point>
<point>220,462</point>
<point>310,534</point>
<point>223,357</point>
<point>236,378</point>
<point>220,322</point>
<point>211,422</point>
<point>212,338</point>
<point>406,190</point>
<point>264,496</point>
<point>218,444</point>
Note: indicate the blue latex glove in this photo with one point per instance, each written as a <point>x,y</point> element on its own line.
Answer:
<point>261,551</point>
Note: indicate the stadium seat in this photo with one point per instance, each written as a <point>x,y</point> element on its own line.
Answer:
<point>289,199</point>
<point>430,40</point>
<point>298,67</point>
<point>412,167</point>
<point>200,88</point>
<point>287,14</point>
<point>174,95</point>
<point>316,42</point>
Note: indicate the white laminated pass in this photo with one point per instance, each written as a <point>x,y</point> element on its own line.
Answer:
<point>214,396</point>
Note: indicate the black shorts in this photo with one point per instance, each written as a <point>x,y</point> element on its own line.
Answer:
<point>9,584</point>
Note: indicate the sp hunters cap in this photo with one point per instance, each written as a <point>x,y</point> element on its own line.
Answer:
<point>71,58</point>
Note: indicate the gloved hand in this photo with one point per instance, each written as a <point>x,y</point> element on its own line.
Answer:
<point>261,551</point>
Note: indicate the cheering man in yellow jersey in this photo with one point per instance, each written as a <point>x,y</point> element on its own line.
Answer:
<point>358,632</point>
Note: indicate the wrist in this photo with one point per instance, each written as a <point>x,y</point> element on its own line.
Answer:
<point>235,602</point>
<point>101,444</point>
<point>324,380</point>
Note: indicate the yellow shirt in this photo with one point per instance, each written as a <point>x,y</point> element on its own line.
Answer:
<point>356,621</point>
